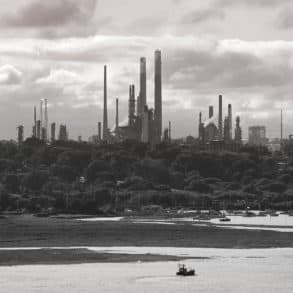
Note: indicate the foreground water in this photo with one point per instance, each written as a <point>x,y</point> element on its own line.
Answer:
<point>227,270</point>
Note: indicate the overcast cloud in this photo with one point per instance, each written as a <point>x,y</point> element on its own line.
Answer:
<point>56,49</point>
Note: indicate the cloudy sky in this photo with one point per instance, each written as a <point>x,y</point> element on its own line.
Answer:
<point>56,49</point>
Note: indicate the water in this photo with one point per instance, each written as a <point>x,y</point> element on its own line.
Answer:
<point>102,219</point>
<point>281,221</point>
<point>235,271</point>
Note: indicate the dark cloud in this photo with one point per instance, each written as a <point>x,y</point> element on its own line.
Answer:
<point>200,16</point>
<point>75,30</point>
<point>94,51</point>
<point>53,13</point>
<point>264,3</point>
<point>285,19</point>
<point>227,69</point>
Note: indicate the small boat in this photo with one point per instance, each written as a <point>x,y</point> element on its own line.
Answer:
<point>183,271</point>
<point>225,219</point>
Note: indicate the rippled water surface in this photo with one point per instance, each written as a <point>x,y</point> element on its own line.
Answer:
<point>227,271</point>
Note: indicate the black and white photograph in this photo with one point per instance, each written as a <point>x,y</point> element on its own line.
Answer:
<point>146,146</point>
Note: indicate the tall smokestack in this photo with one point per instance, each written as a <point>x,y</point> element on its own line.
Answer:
<point>20,130</point>
<point>35,123</point>
<point>200,128</point>
<point>220,122</point>
<point>238,131</point>
<point>46,120</point>
<point>142,93</point>
<point>158,96</point>
<point>211,112</point>
<point>41,113</point>
<point>99,131</point>
<point>281,127</point>
<point>117,113</point>
<point>230,120</point>
<point>35,116</point>
<point>53,132</point>
<point>131,106</point>
<point>38,129</point>
<point>105,117</point>
<point>170,138</point>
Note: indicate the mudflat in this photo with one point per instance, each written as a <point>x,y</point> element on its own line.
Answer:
<point>75,256</point>
<point>30,231</point>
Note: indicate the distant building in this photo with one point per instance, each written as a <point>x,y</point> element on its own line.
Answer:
<point>63,134</point>
<point>167,134</point>
<point>212,129</point>
<point>20,130</point>
<point>190,140</point>
<point>94,139</point>
<point>257,135</point>
<point>227,137</point>
<point>238,131</point>
<point>53,132</point>
<point>43,134</point>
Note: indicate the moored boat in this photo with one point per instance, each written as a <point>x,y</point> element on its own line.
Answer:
<point>225,219</point>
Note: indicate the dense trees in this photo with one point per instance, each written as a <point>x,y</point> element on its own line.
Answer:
<point>81,177</point>
<point>34,181</point>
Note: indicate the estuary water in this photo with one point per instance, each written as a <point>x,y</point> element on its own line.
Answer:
<point>281,223</point>
<point>227,270</point>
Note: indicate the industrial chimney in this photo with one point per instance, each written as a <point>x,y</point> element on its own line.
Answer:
<point>211,112</point>
<point>117,114</point>
<point>220,122</point>
<point>142,93</point>
<point>230,120</point>
<point>158,96</point>
<point>105,117</point>
<point>131,105</point>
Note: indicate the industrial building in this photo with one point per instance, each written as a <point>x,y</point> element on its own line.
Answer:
<point>20,130</point>
<point>63,133</point>
<point>257,135</point>
<point>212,131</point>
<point>40,127</point>
<point>144,123</point>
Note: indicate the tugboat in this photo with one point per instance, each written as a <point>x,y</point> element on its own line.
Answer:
<point>183,271</point>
